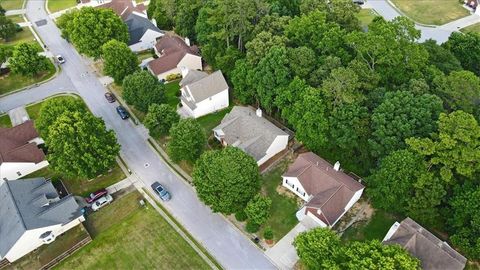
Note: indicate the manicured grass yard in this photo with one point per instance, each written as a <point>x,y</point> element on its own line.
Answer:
<point>11,4</point>
<point>282,214</point>
<point>57,5</point>
<point>376,228</point>
<point>12,82</point>
<point>432,11</point>
<point>171,90</point>
<point>209,121</point>
<point>144,55</point>
<point>128,236</point>
<point>366,16</point>
<point>5,121</point>
<point>472,28</point>
<point>16,18</point>
<point>24,36</point>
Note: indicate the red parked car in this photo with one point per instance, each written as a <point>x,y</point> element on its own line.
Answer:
<point>110,97</point>
<point>96,195</point>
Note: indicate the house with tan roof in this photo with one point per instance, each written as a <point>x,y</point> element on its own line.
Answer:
<point>19,151</point>
<point>202,93</point>
<point>433,253</point>
<point>327,191</point>
<point>247,129</point>
<point>175,55</point>
<point>143,32</point>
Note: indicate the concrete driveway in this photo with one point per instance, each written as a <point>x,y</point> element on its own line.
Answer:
<point>222,240</point>
<point>18,115</point>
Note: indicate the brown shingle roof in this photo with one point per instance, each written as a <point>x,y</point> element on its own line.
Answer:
<point>123,8</point>
<point>331,189</point>
<point>433,253</point>
<point>15,146</point>
<point>172,49</point>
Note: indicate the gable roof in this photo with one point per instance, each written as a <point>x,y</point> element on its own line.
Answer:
<point>203,87</point>
<point>172,49</point>
<point>331,189</point>
<point>433,253</point>
<point>138,26</point>
<point>245,130</point>
<point>15,146</point>
<point>124,8</point>
<point>31,204</point>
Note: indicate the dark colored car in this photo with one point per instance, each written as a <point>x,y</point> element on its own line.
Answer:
<point>359,2</point>
<point>96,195</point>
<point>122,112</point>
<point>110,97</point>
<point>161,191</point>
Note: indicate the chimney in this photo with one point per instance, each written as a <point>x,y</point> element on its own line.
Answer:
<point>187,41</point>
<point>336,167</point>
<point>259,112</point>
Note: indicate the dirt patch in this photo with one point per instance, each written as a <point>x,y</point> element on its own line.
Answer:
<point>287,193</point>
<point>361,211</point>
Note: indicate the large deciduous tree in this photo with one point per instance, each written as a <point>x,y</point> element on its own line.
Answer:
<point>80,146</point>
<point>7,28</point>
<point>226,179</point>
<point>342,87</point>
<point>187,140</point>
<point>466,48</point>
<point>440,57</point>
<point>160,118</point>
<point>119,60</point>
<point>242,80</point>
<point>141,89</point>
<point>89,28</point>
<point>460,90</point>
<point>26,61</point>
<point>258,209</point>
<point>402,115</point>
<point>318,248</point>
<point>456,148</point>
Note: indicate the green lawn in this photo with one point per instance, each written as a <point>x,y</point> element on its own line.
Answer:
<point>376,228</point>
<point>282,213</point>
<point>5,121</point>
<point>46,253</point>
<point>127,236</point>
<point>472,28</point>
<point>432,11</point>
<point>171,91</point>
<point>34,110</point>
<point>12,82</point>
<point>11,4</point>
<point>57,5</point>
<point>144,55</point>
<point>24,36</point>
<point>16,18</point>
<point>209,121</point>
<point>366,16</point>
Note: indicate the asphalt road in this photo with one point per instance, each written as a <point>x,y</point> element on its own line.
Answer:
<point>230,247</point>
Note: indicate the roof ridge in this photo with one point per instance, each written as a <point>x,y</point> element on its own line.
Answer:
<point>55,205</point>
<point>15,203</point>
<point>330,173</point>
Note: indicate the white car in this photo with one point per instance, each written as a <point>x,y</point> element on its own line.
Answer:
<point>60,59</point>
<point>102,202</point>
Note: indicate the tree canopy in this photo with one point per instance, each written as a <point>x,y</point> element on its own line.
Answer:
<point>187,140</point>
<point>160,118</point>
<point>141,89</point>
<point>119,60</point>
<point>7,28</point>
<point>26,61</point>
<point>227,180</point>
<point>258,209</point>
<point>466,48</point>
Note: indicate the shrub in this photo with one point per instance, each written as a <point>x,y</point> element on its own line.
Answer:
<point>252,227</point>
<point>240,216</point>
<point>268,233</point>
<point>173,76</point>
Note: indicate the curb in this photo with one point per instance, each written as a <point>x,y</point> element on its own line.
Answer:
<point>405,15</point>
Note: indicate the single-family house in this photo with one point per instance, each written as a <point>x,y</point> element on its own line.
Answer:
<point>202,93</point>
<point>433,253</point>
<point>19,151</point>
<point>328,191</point>
<point>248,130</point>
<point>33,214</point>
<point>143,32</point>
<point>174,56</point>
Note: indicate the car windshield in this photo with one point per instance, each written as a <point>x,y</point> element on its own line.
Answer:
<point>161,191</point>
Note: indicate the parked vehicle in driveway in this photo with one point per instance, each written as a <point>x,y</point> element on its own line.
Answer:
<point>161,191</point>
<point>96,195</point>
<point>110,97</point>
<point>102,202</point>
<point>122,112</point>
<point>60,59</point>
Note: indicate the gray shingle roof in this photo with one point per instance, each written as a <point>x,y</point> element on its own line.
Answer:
<point>202,87</point>
<point>30,204</point>
<point>433,253</point>
<point>137,26</point>
<point>245,130</point>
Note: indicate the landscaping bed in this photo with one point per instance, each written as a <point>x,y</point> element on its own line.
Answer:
<point>129,236</point>
<point>432,11</point>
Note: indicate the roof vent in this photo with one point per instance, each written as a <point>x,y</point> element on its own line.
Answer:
<point>336,167</point>
<point>259,112</point>
<point>187,41</point>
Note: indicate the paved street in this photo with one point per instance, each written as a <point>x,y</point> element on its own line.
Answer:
<point>231,248</point>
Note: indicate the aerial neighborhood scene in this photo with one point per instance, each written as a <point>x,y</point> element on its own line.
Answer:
<point>240,134</point>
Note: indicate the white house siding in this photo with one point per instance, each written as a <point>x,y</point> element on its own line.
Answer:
<point>292,184</point>
<point>212,104</point>
<point>354,199</point>
<point>163,76</point>
<point>278,145</point>
<point>8,170</point>
<point>30,240</point>
<point>147,41</point>
<point>190,61</point>
<point>391,231</point>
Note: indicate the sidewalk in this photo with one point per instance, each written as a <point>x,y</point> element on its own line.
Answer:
<point>461,23</point>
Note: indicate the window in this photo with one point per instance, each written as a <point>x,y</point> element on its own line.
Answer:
<point>286,181</point>
<point>19,174</point>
